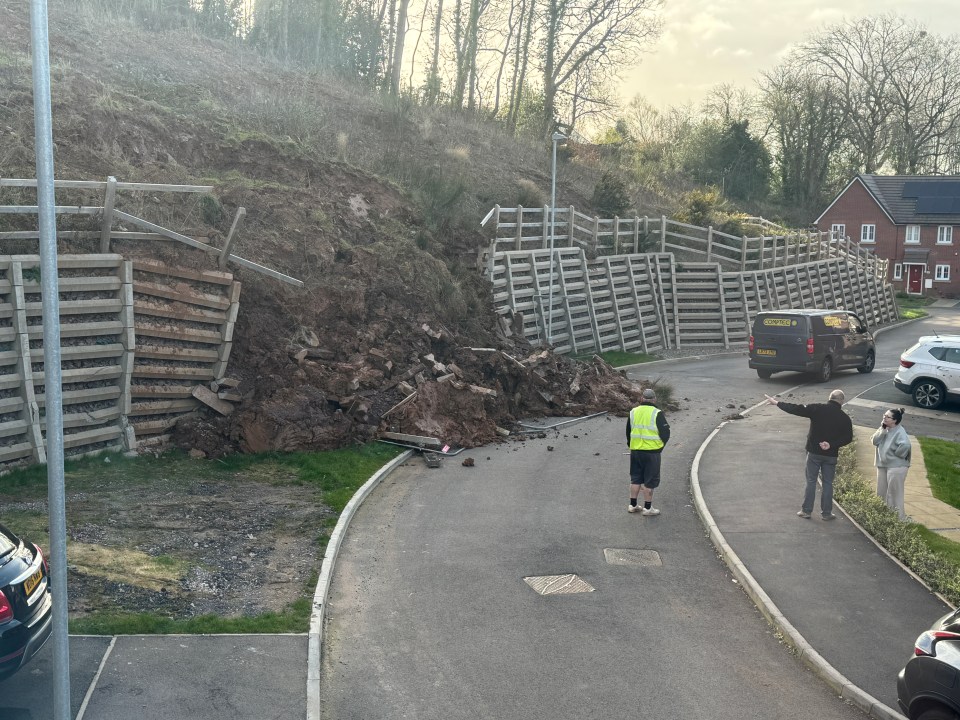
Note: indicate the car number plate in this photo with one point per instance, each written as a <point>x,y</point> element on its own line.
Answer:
<point>32,581</point>
<point>764,351</point>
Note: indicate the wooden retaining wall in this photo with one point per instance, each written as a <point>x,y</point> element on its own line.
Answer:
<point>95,352</point>
<point>136,339</point>
<point>651,302</point>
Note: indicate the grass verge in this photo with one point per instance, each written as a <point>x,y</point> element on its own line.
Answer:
<point>942,460</point>
<point>932,557</point>
<point>911,306</point>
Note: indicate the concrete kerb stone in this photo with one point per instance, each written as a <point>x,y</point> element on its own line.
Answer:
<point>836,680</point>
<point>315,637</point>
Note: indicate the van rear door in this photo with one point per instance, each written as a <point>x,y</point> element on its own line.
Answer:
<point>780,340</point>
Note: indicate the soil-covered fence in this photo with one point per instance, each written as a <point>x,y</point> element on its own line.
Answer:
<point>138,340</point>
<point>587,298</point>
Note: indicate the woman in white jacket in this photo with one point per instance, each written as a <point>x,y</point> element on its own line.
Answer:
<point>892,459</point>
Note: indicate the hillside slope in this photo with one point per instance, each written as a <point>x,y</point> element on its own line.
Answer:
<point>389,265</point>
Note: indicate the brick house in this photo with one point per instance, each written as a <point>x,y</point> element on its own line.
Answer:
<point>911,220</point>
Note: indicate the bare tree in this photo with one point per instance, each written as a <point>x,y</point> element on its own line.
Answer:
<point>860,57</point>
<point>927,98</point>
<point>597,33</point>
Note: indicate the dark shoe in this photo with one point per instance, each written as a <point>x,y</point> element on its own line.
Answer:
<point>805,515</point>
<point>831,516</point>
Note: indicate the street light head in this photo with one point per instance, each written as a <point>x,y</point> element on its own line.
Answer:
<point>559,137</point>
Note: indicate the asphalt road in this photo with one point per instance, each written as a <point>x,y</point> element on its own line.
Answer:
<point>430,615</point>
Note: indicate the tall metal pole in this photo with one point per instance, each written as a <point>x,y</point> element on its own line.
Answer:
<point>53,391</point>
<point>557,137</point>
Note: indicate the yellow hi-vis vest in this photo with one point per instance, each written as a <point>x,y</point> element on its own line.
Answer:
<point>643,428</point>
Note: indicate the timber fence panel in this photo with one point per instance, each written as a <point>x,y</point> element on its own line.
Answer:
<point>183,324</point>
<point>92,355</point>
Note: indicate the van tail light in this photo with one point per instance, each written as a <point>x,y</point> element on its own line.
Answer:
<point>809,346</point>
<point>6,610</point>
<point>906,363</point>
<point>751,343</point>
<point>926,643</point>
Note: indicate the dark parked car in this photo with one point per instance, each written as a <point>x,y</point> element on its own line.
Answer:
<point>811,341</point>
<point>928,688</point>
<point>26,608</point>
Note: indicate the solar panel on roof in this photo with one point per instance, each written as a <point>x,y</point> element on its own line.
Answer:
<point>931,188</point>
<point>938,206</point>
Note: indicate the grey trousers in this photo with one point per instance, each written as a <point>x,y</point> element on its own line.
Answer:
<point>824,467</point>
<point>890,487</point>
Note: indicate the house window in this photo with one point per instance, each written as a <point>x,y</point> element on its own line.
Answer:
<point>898,272</point>
<point>942,273</point>
<point>945,235</point>
<point>839,231</point>
<point>868,233</point>
<point>913,235</point>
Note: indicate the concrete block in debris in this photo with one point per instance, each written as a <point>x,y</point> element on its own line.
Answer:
<point>455,370</point>
<point>405,387</point>
<point>446,378</point>
<point>429,358</point>
<point>505,326</point>
<point>228,382</point>
<point>482,390</point>
<point>420,378</point>
<point>301,355</point>
<point>503,432</point>
<point>204,395</point>
<point>230,396</point>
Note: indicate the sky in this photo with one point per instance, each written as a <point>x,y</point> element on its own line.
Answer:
<point>709,42</point>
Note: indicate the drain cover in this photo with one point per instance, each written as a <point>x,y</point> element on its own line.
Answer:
<point>645,558</point>
<point>558,584</point>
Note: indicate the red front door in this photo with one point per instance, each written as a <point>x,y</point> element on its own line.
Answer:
<point>915,279</point>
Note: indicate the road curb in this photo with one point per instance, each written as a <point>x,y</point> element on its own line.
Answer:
<point>847,690</point>
<point>315,636</point>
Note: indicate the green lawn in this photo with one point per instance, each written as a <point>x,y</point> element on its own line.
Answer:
<point>911,306</point>
<point>942,459</point>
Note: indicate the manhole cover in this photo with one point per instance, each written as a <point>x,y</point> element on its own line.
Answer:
<point>558,584</point>
<point>646,558</point>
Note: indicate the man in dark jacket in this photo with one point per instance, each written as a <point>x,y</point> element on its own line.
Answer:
<point>830,429</point>
<point>647,433</point>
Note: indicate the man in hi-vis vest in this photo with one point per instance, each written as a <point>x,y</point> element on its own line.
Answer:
<point>647,433</point>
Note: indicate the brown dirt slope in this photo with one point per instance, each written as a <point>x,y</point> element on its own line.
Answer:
<point>373,203</point>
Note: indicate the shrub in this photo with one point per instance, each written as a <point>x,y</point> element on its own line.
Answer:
<point>902,540</point>
<point>610,196</point>
<point>529,195</point>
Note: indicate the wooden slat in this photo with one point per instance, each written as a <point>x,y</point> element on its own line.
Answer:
<point>189,335</point>
<point>163,407</point>
<point>144,371</point>
<point>208,276</point>
<point>101,184</point>
<point>161,391</point>
<point>192,298</point>
<point>215,317</point>
<point>177,353</point>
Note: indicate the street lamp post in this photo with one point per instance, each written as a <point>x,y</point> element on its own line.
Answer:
<point>556,138</point>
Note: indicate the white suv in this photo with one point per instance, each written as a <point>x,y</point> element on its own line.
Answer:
<point>930,370</point>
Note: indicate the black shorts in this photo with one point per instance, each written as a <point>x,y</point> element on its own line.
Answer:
<point>645,468</point>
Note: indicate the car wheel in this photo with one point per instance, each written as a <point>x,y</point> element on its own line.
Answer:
<point>764,374</point>
<point>928,394</point>
<point>868,364</point>
<point>826,370</point>
<point>937,713</point>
